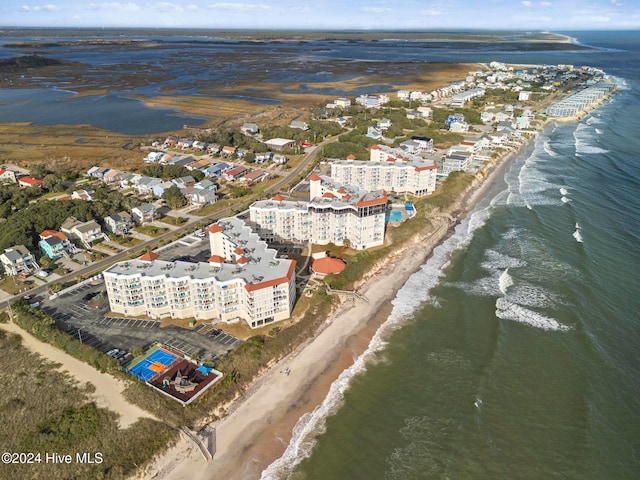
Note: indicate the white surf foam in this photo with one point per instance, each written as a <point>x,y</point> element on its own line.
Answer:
<point>414,293</point>
<point>577,235</point>
<point>564,191</point>
<point>507,310</point>
<point>547,148</point>
<point>599,131</point>
<point>505,281</point>
<point>586,139</point>
<point>565,200</point>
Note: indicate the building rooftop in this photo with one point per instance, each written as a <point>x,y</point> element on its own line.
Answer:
<point>262,267</point>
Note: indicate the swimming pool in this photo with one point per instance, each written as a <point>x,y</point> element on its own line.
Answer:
<point>394,216</point>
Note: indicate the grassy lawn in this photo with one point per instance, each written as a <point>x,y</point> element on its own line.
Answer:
<point>124,241</point>
<point>14,285</point>
<point>151,230</point>
<point>169,220</point>
<point>211,209</point>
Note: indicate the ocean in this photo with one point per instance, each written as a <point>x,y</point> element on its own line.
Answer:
<point>513,352</point>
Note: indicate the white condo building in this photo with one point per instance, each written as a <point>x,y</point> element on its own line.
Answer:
<point>390,169</point>
<point>242,279</point>
<point>336,213</point>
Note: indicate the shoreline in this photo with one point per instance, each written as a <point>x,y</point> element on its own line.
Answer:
<point>259,428</point>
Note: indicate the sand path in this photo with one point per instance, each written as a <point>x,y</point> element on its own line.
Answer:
<point>108,393</point>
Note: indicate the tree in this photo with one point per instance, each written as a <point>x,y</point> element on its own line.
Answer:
<point>250,157</point>
<point>174,198</point>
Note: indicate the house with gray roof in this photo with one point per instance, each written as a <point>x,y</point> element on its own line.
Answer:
<point>17,260</point>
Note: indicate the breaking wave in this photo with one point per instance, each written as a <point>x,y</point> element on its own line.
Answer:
<point>410,297</point>
<point>507,310</point>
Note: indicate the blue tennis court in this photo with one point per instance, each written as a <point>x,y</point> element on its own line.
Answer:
<point>150,366</point>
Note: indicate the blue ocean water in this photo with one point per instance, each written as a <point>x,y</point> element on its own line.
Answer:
<point>517,356</point>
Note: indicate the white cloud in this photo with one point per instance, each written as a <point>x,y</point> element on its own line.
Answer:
<point>547,4</point>
<point>114,6</point>
<point>42,8</point>
<point>375,9</point>
<point>600,19</point>
<point>238,7</point>
<point>192,8</point>
<point>526,3</point>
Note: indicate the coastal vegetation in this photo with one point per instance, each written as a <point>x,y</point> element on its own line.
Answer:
<point>45,410</point>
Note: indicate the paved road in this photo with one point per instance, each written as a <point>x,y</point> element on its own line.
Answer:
<point>104,263</point>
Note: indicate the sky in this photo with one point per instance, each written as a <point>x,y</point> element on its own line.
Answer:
<point>552,15</point>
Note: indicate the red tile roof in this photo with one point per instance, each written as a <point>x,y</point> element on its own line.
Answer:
<point>328,195</point>
<point>216,259</point>
<point>278,198</point>
<point>375,147</point>
<point>315,177</point>
<point>238,251</point>
<point>53,233</point>
<point>215,229</point>
<point>149,256</point>
<point>328,265</point>
<point>351,157</point>
<point>242,260</point>
<point>31,181</point>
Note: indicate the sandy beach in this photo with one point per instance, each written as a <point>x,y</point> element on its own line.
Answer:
<point>259,429</point>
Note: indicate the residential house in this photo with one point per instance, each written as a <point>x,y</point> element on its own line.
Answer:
<point>55,244</point>
<point>342,121</point>
<point>279,159</point>
<point>85,195</point>
<point>264,157</point>
<point>130,180</point>
<point>459,127</point>
<point>425,143</point>
<point>249,129</point>
<point>217,170</point>
<point>145,185</point>
<point>299,125</point>
<point>199,196</point>
<point>228,150</point>
<point>456,161</point>
<point>97,172</point>
<point>29,182</point>
<point>411,147</point>
<point>184,182</point>
<point>113,176</point>
<point>255,177</point>
<point>7,176</point>
<point>374,132</point>
<point>144,213</point>
<point>159,189</point>
<point>234,173</point>
<point>403,94</point>
<point>85,232</point>
<point>425,112</point>
<point>205,184</point>
<point>17,260</point>
<point>456,117</point>
<point>153,157</point>
<point>280,143</point>
<point>384,123</point>
<point>213,149</point>
<point>342,102</point>
<point>118,223</point>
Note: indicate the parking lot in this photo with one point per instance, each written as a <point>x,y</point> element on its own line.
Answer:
<point>84,314</point>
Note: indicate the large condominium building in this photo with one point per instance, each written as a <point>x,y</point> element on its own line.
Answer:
<point>390,169</point>
<point>335,214</point>
<point>242,279</point>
